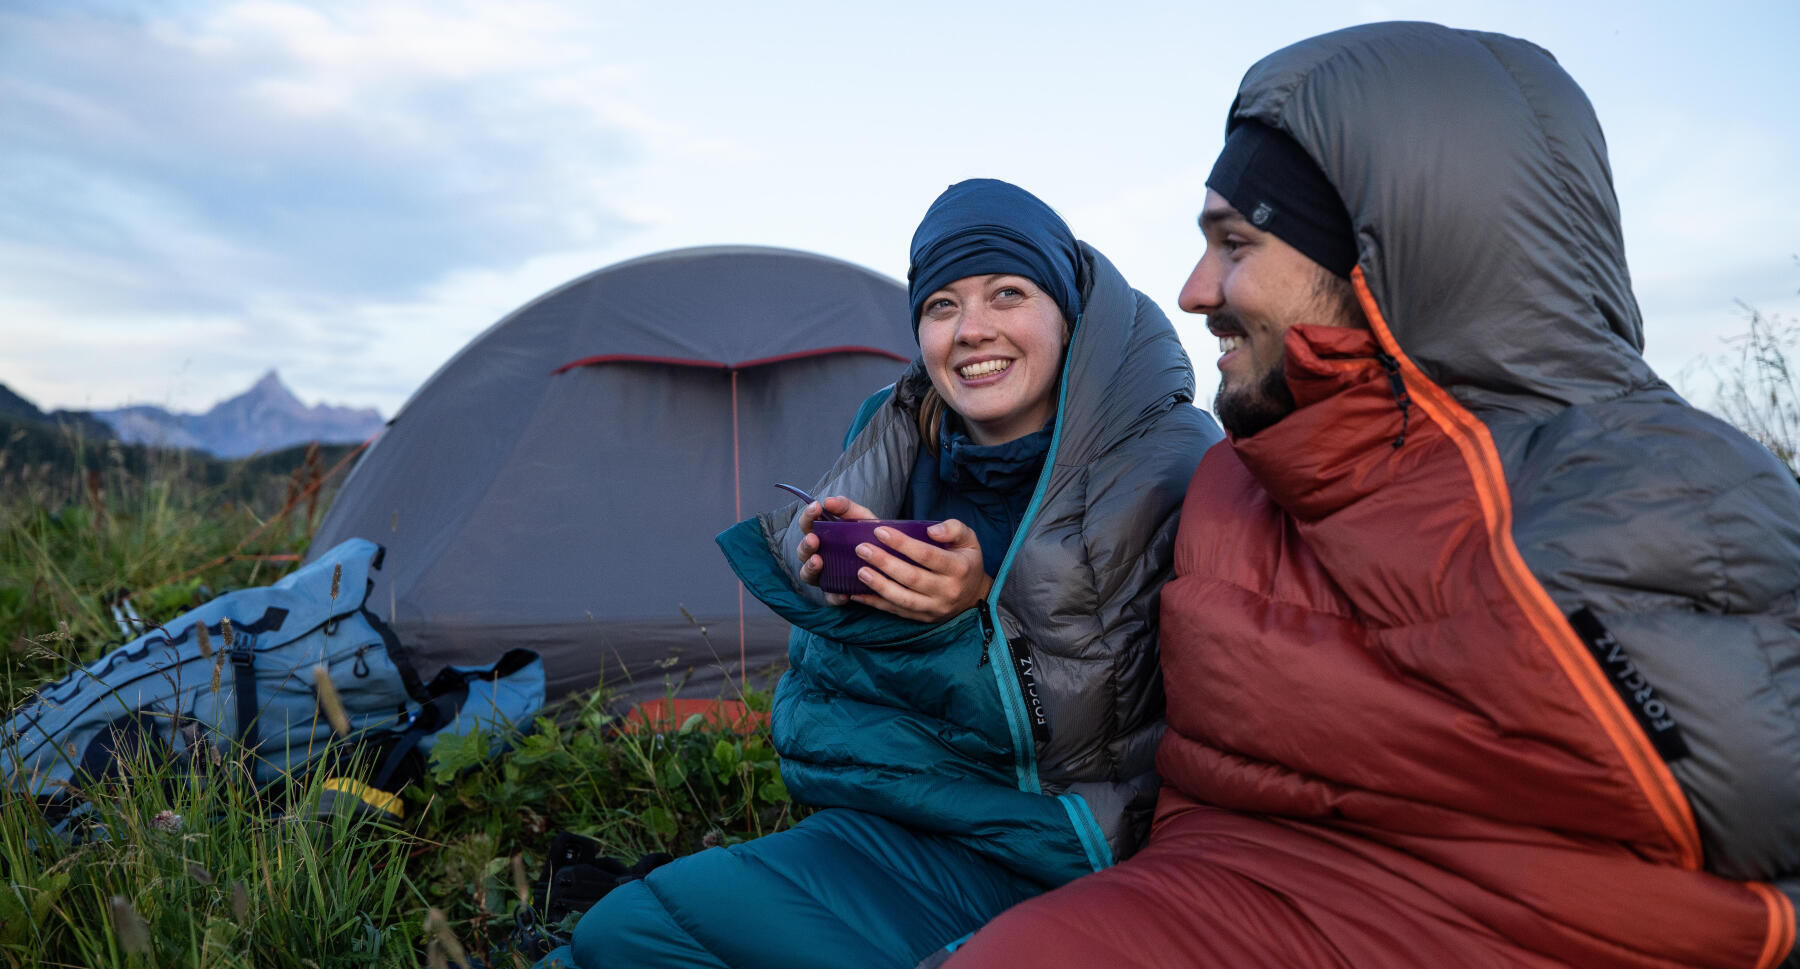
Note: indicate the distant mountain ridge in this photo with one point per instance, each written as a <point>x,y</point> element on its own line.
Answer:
<point>12,405</point>
<point>17,408</point>
<point>265,418</point>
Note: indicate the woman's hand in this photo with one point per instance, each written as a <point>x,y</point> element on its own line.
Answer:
<point>811,563</point>
<point>944,582</point>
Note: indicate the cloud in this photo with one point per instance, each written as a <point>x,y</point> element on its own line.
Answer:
<point>192,191</point>
<point>204,161</point>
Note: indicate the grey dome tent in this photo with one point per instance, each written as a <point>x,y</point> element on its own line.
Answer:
<point>557,484</point>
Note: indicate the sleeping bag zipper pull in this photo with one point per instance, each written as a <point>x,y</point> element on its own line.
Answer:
<point>1401,397</point>
<point>987,632</point>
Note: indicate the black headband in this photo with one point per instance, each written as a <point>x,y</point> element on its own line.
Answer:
<point>1271,181</point>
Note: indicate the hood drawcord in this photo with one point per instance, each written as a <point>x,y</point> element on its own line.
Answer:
<point>1401,398</point>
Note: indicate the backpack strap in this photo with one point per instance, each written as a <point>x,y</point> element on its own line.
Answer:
<point>431,718</point>
<point>243,670</point>
<point>243,678</point>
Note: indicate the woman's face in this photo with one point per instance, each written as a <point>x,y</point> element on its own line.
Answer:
<point>993,346</point>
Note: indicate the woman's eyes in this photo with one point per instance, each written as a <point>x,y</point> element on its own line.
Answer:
<point>938,306</point>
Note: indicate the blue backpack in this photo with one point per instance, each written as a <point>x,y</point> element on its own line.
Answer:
<point>239,676</point>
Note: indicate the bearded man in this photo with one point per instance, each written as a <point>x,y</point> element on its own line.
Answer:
<point>1483,647</point>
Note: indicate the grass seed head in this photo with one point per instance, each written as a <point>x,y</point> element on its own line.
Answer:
<point>337,574</point>
<point>521,884</point>
<point>329,701</point>
<point>218,670</point>
<point>240,903</point>
<point>204,638</point>
<point>133,932</point>
<point>198,872</point>
<point>438,927</point>
<point>226,632</point>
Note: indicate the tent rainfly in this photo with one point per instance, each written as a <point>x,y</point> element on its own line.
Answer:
<point>557,484</point>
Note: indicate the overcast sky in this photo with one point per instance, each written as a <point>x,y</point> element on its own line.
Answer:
<point>194,192</point>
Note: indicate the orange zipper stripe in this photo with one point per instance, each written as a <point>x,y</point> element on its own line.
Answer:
<point>1780,940</point>
<point>1483,461</point>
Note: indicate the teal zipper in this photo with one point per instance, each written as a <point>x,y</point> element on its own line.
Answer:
<point>1093,840</point>
<point>999,651</point>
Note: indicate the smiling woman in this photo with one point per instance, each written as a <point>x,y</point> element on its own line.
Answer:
<point>980,727</point>
<point>993,346</point>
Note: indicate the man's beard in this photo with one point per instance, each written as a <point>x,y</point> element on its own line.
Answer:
<point>1245,411</point>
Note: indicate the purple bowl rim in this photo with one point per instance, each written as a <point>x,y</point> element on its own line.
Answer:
<point>878,521</point>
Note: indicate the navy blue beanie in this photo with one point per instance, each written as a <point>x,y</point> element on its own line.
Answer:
<point>985,226</point>
<point>1274,183</point>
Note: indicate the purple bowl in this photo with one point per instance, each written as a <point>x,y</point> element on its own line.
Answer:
<point>837,546</point>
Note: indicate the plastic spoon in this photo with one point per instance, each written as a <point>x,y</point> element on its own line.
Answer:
<point>809,499</point>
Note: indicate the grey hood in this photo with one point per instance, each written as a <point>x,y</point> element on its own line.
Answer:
<point>1491,241</point>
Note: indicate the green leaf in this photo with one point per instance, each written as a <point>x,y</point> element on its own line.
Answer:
<point>454,754</point>
<point>535,749</point>
<point>727,754</point>
<point>15,927</point>
<point>659,822</point>
<point>169,599</point>
<point>24,907</point>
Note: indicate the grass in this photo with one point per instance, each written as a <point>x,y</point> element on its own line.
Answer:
<point>1758,388</point>
<point>185,869</point>
<point>184,866</point>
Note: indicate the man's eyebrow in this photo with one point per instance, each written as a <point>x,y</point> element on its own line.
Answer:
<point>1220,214</point>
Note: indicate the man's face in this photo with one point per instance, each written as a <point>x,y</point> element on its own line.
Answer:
<point>1252,287</point>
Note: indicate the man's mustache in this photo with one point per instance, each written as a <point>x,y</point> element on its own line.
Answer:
<point>1226,321</point>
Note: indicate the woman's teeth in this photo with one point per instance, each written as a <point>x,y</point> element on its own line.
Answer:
<point>1230,343</point>
<point>985,368</point>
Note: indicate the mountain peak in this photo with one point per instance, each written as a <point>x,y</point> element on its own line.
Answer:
<point>270,390</point>
<point>266,417</point>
